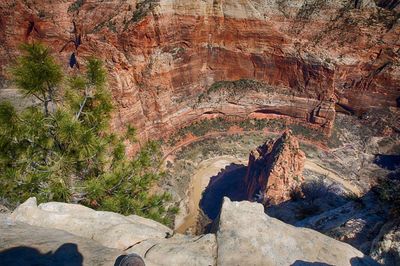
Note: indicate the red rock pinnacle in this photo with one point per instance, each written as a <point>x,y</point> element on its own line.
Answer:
<point>274,170</point>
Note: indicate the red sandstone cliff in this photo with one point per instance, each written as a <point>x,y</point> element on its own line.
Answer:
<point>161,55</point>
<point>274,170</point>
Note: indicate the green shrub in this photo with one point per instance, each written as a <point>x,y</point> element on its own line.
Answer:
<point>389,191</point>
<point>74,7</point>
<point>63,150</point>
<point>232,88</point>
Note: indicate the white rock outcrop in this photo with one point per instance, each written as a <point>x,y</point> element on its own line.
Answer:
<point>178,250</point>
<point>247,236</point>
<point>23,244</point>
<point>109,229</point>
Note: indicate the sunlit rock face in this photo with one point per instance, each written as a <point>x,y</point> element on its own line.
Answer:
<point>162,55</point>
<point>275,170</point>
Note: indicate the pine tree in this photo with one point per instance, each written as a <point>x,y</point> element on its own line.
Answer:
<point>63,150</point>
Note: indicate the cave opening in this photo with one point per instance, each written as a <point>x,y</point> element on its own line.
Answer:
<point>267,112</point>
<point>72,60</point>
<point>30,28</point>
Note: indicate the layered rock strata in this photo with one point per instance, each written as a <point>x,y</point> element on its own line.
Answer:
<point>275,170</point>
<point>162,55</point>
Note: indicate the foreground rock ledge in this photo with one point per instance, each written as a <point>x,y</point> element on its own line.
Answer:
<point>245,236</point>
<point>110,229</point>
<point>23,244</point>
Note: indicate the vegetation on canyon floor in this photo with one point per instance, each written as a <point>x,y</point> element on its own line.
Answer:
<point>235,88</point>
<point>351,135</point>
<point>223,124</point>
<point>231,88</point>
<point>389,191</point>
<point>63,150</point>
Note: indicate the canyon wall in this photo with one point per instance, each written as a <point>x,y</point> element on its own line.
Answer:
<point>164,56</point>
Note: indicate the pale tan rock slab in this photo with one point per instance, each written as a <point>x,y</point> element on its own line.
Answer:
<point>247,236</point>
<point>24,244</point>
<point>109,229</point>
<point>178,250</point>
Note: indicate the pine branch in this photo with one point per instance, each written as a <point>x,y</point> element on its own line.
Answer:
<point>43,148</point>
<point>23,121</point>
<point>37,97</point>
<point>41,171</point>
<point>84,101</point>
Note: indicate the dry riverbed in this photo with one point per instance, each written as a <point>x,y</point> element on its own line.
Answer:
<point>352,165</point>
<point>186,220</point>
<point>189,208</point>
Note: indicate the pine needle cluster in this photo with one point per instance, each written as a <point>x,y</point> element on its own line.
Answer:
<point>63,150</point>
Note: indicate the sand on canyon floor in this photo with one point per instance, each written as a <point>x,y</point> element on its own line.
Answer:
<point>199,181</point>
<point>187,219</point>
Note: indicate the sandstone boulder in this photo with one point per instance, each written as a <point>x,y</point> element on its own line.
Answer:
<point>23,244</point>
<point>4,211</point>
<point>109,229</point>
<point>68,223</point>
<point>178,250</point>
<point>267,241</point>
<point>247,236</point>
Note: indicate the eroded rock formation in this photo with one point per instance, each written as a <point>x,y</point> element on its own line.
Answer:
<point>162,55</point>
<point>357,223</point>
<point>386,247</point>
<point>24,244</point>
<point>274,170</point>
<point>110,229</point>
<point>268,241</point>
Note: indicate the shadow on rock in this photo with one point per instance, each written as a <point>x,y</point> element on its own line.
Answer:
<point>305,263</point>
<point>228,183</point>
<point>314,198</point>
<point>364,261</point>
<point>357,261</point>
<point>389,162</point>
<point>66,254</point>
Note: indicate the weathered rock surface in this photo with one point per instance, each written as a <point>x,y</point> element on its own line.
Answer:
<point>162,55</point>
<point>23,244</point>
<point>274,170</point>
<point>386,246</point>
<point>178,250</point>
<point>269,241</point>
<point>103,229</point>
<point>356,222</point>
<point>109,229</point>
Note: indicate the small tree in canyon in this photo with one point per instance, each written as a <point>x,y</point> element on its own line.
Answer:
<point>62,149</point>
